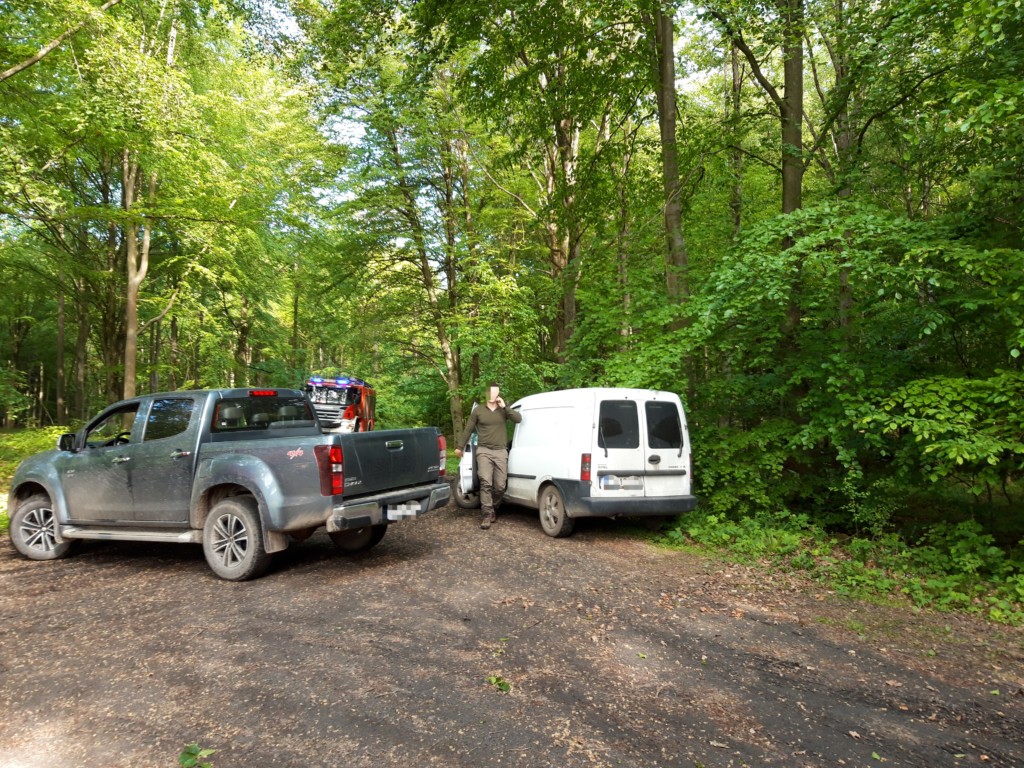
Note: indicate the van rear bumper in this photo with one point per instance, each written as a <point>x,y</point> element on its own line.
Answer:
<point>579,503</point>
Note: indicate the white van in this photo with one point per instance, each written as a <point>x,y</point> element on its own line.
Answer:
<point>599,452</point>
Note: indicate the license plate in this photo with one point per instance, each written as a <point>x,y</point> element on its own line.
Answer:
<point>405,509</point>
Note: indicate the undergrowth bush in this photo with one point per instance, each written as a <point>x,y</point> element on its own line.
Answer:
<point>15,446</point>
<point>951,567</point>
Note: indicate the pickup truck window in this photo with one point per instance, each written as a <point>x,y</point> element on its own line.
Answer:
<point>253,413</point>
<point>168,417</point>
<point>114,429</point>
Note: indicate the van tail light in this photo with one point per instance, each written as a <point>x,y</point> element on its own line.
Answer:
<point>585,467</point>
<point>442,458</point>
<point>331,463</point>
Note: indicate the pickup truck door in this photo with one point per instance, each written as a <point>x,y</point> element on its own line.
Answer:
<point>96,479</point>
<point>161,466</point>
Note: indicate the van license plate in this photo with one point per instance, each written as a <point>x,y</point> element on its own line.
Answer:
<point>405,509</point>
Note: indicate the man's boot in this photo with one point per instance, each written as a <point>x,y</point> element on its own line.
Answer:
<point>486,520</point>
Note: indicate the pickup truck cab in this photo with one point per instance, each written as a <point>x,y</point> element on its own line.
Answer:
<point>241,471</point>
<point>595,452</point>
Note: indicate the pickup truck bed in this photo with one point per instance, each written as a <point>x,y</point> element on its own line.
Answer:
<point>242,471</point>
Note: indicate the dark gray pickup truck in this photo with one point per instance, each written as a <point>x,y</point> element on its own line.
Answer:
<point>242,471</point>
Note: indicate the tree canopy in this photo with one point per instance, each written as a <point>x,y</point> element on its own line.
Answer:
<point>803,216</point>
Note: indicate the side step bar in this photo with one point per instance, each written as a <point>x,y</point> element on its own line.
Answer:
<point>124,534</point>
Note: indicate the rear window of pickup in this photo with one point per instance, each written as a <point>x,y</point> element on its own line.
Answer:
<point>251,414</point>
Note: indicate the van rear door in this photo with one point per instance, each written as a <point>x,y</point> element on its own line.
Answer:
<point>621,450</point>
<point>667,449</point>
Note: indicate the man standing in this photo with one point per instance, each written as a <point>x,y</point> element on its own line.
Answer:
<point>491,454</point>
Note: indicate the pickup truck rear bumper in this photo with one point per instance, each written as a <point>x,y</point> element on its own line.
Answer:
<point>388,507</point>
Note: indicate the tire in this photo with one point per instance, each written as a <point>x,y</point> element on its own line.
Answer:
<point>464,500</point>
<point>553,518</point>
<point>359,539</point>
<point>233,540</point>
<point>33,530</point>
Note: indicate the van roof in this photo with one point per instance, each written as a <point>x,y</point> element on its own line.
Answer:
<point>589,394</point>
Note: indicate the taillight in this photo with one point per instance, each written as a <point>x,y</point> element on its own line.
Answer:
<point>442,450</point>
<point>585,467</point>
<point>331,461</point>
<point>263,393</point>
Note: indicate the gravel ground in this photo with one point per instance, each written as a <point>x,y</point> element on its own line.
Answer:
<point>615,653</point>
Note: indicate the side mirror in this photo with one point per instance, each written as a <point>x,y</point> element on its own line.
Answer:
<point>66,442</point>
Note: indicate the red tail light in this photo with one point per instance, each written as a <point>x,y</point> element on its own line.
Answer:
<point>442,449</point>
<point>331,462</point>
<point>585,467</point>
<point>263,393</point>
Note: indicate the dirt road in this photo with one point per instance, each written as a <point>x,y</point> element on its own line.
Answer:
<point>615,654</point>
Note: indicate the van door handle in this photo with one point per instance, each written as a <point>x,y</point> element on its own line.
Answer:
<point>394,444</point>
<point>120,460</point>
<point>180,454</point>
<point>655,459</point>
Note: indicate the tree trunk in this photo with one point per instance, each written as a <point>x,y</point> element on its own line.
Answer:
<point>410,212</point>
<point>110,332</point>
<point>174,355</point>
<point>677,259</point>
<point>792,108</point>
<point>81,359</point>
<point>736,158</point>
<point>61,414</point>
<point>154,357</point>
<point>137,263</point>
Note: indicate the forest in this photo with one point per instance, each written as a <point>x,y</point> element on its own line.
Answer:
<point>803,216</point>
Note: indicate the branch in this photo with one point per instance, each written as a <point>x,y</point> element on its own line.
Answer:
<point>769,163</point>
<point>163,314</point>
<point>509,192</point>
<point>899,102</point>
<point>51,45</point>
<point>755,67</point>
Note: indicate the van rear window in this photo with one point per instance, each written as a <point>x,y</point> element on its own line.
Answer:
<point>664,427</point>
<point>619,425</point>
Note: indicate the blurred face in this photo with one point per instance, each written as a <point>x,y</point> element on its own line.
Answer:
<point>492,394</point>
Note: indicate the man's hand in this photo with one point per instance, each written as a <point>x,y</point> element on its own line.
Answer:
<point>500,402</point>
<point>458,452</point>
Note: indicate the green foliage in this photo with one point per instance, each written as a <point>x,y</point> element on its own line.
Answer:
<point>499,683</point>
<point>430,194</point>
<point>13,400</point>
<point>193,756</point>
<point>20,444</point>
<point>952,567</point>
<point>768,535</point>
<point>835,418</point>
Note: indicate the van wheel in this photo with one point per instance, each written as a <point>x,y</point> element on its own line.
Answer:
<point>553,517</point>
<point>233,540</point>
<point>359,539</point>
<point>464,499</point>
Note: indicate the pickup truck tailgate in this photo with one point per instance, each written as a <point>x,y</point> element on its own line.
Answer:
<point>390,459</point>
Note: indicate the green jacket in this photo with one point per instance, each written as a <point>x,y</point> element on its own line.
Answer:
<point>490,426</point>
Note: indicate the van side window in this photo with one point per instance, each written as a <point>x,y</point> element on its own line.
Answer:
<point>618,425</point>
<point>663,425</point>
